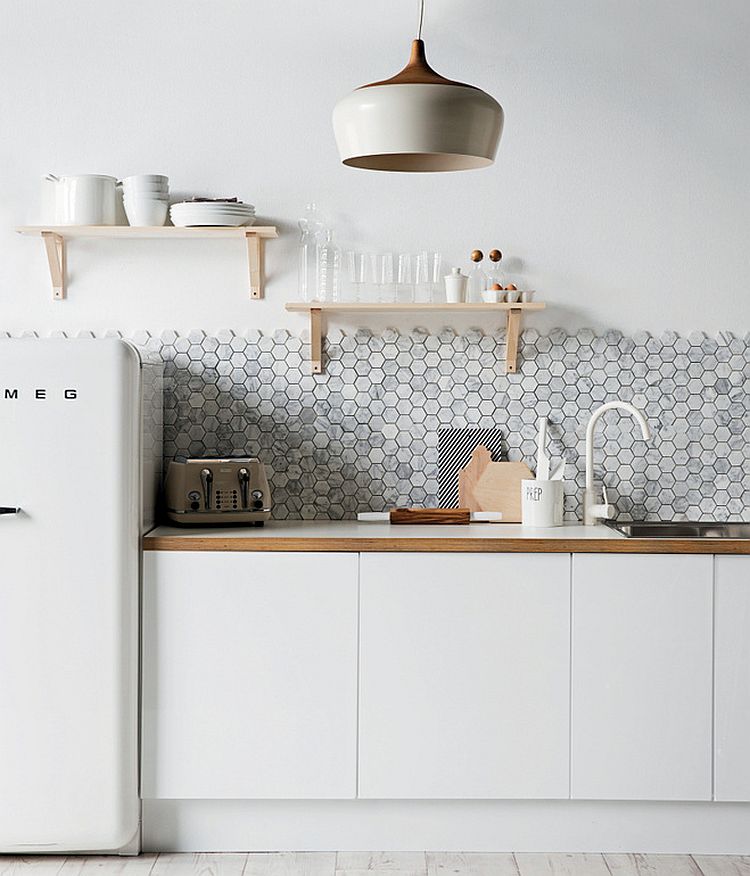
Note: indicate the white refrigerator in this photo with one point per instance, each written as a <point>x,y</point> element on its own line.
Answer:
<point>80,451</point>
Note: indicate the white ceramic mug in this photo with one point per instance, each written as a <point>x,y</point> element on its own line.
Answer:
<point>542,503</point>
<point>88,199</point>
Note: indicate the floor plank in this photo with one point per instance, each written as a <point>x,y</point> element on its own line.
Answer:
<point>652,865</point>
<point>291,864</point>
<point>199,865</point>
<point>30,865</point>
<point>362,863</point>
<point>561,865</point>
<point>723,865</point>
<point>111,865</point>
<point>470,864</point>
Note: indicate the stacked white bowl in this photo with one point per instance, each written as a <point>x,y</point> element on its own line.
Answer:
<point>146,199</point>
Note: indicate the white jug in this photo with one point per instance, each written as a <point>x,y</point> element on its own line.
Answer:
<point>88,199</point>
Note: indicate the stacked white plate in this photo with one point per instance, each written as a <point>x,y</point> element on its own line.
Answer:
<point>216,213</point>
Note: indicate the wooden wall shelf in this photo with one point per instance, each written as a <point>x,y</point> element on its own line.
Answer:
<point>316,310</point>
<point>55,238</point>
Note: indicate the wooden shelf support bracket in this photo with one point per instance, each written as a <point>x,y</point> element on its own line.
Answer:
<point>54,245</point>
<point>316,341</point>
<point>511,340</point>
<point>255,257</point>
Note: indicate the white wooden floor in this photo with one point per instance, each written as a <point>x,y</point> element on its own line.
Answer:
<point>366,863</point>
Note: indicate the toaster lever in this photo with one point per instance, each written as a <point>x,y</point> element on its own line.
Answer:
<point>243,475</point>
<point>207,479</point>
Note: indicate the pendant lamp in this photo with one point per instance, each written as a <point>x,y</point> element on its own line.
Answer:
<point>418,121</point>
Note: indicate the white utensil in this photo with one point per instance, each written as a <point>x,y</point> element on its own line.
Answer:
<point>558,472</point>
<point>542,460</point>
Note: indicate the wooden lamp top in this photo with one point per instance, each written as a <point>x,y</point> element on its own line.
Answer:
<point>418,72</point>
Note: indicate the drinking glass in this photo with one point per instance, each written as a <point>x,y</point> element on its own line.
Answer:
<point>355,275</point>
<point>382,274</point>
<point>429,277</point>
<point>405,278</point>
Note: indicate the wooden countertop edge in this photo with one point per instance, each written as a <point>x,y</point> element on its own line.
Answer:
<point>448,545</point>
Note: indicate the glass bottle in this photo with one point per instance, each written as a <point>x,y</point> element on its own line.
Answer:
<point>310,226</point>
<point>329,270</point>
<point>477,281</point>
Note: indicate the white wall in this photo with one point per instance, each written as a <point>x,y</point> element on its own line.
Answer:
<point>621,184</point>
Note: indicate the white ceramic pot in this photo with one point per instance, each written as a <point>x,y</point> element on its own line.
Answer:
<point>455,287</point>
<point>88,199</point>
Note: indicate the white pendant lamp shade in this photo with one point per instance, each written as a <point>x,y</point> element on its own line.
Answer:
<point>418,121</point>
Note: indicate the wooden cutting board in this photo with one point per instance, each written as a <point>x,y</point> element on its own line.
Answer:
<point>485,485</point>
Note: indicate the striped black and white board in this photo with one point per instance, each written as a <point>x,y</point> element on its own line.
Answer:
<point>455,447</point>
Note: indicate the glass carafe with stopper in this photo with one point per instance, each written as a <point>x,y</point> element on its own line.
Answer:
<point>329,270</point>
<point>311,229</point>
<point>477,281</point>
<point>496,275</point>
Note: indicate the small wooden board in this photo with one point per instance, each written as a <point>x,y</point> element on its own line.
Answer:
<point>431,515</point>
<point>485,485</point>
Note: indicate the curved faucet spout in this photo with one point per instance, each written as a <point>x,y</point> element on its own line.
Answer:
<point>625,406</point>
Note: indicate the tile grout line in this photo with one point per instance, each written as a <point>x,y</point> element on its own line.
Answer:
<point>697,865</point>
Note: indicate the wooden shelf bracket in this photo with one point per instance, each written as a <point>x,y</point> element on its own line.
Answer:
<point>511,340</point>
<point>316,341</point>
<point>54,245</point>
<point>255,257</point>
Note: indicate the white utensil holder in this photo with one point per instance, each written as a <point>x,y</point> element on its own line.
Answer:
<point>542,503</point>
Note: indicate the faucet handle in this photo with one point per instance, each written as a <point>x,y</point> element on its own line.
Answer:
<point>607,511</point>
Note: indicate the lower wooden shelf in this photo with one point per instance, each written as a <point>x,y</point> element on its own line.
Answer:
<point>317,309</point>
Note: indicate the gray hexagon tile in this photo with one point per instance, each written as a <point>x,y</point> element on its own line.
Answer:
<point>362,436</point>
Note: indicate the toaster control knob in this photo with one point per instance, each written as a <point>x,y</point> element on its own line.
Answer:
<point>258,503</point>
<point>243,476</point>
<point>207,481</point>
<point>194,496</point>
<point>257,494</point>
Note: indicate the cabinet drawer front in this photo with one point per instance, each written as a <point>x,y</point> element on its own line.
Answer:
<point>249,675</point>
<point>732,678</point>
<point>464,675</point>
<point>642,687</point>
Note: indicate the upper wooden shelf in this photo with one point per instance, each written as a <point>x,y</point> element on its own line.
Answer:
<point>316,309</point>
<point>56,236</point>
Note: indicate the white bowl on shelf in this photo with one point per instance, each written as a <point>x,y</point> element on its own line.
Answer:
<point>143,212</point>
<point>145,179</point>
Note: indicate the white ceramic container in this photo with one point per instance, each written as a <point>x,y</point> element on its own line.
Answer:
<point>455,287</point>
<point>88,199</point>
<point>541,503</point>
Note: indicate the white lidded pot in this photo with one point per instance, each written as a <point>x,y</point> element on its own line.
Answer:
<point>418,121</point>
<point>87,199</point>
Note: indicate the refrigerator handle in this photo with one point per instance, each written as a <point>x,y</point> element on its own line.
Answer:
<point>8,510</point>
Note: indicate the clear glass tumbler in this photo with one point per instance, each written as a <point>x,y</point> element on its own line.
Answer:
<point>405,270</point>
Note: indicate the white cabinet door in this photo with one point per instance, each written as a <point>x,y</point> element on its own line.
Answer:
<point>732,679</point>
<point>464,675</point>
<point>249,675</point>
<point>642,687</point>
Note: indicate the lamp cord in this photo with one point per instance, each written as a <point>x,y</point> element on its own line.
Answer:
<point>421,19</point>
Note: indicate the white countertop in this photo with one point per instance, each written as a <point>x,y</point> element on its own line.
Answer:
<point>344,529</point>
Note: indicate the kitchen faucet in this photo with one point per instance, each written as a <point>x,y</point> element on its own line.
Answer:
<point>593,510</point>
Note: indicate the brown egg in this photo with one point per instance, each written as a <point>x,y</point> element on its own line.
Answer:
<point>511,288</point>
<point>495,255</point>
<point>477,255</point>
<point>496,287</point>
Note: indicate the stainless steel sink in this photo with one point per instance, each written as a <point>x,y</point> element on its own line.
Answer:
<point>680,529</point>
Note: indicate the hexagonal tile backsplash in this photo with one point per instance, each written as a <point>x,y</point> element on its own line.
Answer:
<point>363,436</point>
